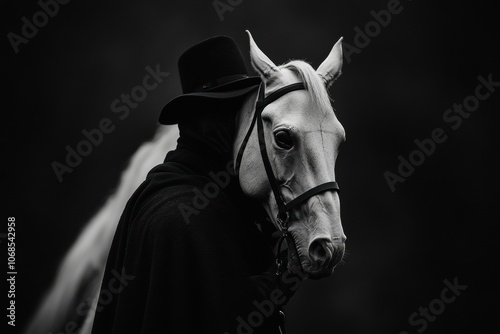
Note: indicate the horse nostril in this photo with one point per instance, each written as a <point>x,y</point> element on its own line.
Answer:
<point>321,251</point>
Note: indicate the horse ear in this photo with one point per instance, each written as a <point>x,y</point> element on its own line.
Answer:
<point>260,62</point>
<point>331,68</point>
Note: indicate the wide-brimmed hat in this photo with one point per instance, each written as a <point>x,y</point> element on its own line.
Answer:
<point>211,71</point>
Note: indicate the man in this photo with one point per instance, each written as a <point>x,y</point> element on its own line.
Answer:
<point>187,257</point>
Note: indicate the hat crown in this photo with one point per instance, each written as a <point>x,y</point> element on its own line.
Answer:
<point>212,72</point>
<point>210,63</point>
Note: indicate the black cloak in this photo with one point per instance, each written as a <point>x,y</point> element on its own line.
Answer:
<point>187,255</point>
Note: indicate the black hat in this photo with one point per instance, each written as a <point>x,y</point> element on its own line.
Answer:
<point>213,70</point>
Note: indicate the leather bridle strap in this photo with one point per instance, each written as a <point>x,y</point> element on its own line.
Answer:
<point>310,193</point>
<point>283,208</point>
<point>265,101</point>
<point>262,102</point>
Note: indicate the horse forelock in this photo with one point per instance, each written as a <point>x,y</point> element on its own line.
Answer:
<point>314,83</point>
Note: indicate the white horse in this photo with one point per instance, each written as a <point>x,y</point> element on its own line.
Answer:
<point>303,138</point>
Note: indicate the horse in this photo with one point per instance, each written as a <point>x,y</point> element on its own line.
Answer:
<point>286,145</point>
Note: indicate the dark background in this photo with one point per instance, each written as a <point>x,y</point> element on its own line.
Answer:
<point>439,224</point>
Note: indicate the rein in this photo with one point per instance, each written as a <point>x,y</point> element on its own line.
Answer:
<point>283,207</point>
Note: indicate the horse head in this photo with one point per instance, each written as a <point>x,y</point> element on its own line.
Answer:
<point>300,137</point>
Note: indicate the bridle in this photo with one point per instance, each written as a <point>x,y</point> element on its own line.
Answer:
<point>283,207</point>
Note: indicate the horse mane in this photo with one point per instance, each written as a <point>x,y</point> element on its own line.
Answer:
<point>313,82</point>
<point>80,273</point>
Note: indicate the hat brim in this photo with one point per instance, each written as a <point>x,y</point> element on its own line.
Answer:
<point>172,112</point>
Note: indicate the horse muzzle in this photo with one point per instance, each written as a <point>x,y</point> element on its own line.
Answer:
<point>323,255</point>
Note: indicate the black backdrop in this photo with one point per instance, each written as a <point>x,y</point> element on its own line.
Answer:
<point>439,224</point>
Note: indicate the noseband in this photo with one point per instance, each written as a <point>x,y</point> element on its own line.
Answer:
<point>283,207</point>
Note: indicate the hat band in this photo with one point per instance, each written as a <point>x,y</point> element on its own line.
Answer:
<point>219,81</point>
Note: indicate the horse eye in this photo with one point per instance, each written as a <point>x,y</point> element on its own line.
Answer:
<point>283,139</point>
